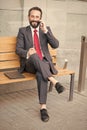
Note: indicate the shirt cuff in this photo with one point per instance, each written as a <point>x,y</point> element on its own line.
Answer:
<point>45,31</point>
<point>27,56</point>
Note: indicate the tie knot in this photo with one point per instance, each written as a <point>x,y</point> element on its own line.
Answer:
<point>35,30</point>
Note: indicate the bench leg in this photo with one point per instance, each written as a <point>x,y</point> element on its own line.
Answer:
<point>71,87</point>
<point>50,87</point>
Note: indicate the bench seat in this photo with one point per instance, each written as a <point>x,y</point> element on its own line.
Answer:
<point>5,80</point>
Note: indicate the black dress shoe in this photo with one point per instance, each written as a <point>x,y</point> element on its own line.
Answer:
<point>59,87</point>
<point>44,115</point>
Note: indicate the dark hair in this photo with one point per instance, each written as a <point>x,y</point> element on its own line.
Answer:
<point>35,8</point>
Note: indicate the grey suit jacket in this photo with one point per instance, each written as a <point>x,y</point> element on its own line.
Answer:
<point>25,41</point>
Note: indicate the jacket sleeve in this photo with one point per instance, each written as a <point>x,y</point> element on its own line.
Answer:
<point>20,47</point>
<point>51,39</point>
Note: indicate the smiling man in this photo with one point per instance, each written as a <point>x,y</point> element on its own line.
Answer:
<point>32,48</point>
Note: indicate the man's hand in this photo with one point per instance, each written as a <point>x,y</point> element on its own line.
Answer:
<point>43,27</point>
<point>31,52</point>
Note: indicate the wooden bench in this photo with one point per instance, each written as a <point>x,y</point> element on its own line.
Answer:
<point>10,61</point>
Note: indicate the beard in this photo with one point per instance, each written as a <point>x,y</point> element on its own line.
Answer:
<point>34,24</point>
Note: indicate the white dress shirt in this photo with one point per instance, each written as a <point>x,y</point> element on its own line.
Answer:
<point>32,30</point>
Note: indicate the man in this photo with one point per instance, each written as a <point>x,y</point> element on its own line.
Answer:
<point>32,48</point>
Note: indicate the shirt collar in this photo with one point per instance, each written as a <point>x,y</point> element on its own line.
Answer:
<point>34,28</point>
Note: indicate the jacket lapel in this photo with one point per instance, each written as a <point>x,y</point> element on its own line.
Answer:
<point>29,35</point>
<point>41,37</point>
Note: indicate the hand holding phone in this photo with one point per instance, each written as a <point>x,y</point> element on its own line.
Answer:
<point>43,27</point>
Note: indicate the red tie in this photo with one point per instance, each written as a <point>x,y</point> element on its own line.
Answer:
<point>37,44</point>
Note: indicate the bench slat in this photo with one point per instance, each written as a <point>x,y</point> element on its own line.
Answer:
<point>13,55</point>
<point>8,56</point>
<point>53,52</point>
<point>15,63</point>
<point>9,64</point>
<point>7,44</point>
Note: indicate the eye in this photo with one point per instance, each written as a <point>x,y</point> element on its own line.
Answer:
<point>37,16</point>
<point>32,16</point>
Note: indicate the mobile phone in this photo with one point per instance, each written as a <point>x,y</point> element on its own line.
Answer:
<point>41,24</point>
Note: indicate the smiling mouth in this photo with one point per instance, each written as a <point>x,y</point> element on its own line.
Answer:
<point>36,22</point>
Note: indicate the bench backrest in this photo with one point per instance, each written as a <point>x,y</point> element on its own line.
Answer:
<point>8,57</point>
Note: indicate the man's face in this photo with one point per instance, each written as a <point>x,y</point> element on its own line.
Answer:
<point>34,18</point>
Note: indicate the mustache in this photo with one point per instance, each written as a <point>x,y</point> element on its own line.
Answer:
<point>35,21</point>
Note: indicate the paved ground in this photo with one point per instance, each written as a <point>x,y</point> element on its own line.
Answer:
<point>20,111</point>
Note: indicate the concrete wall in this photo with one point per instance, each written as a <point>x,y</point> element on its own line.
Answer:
<point>67,18</point>
<point>10,17</point>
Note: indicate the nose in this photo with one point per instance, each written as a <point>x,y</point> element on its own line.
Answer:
<point>34,18</point>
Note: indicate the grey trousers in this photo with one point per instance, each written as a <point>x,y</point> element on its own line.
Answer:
<point>42,70</point>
